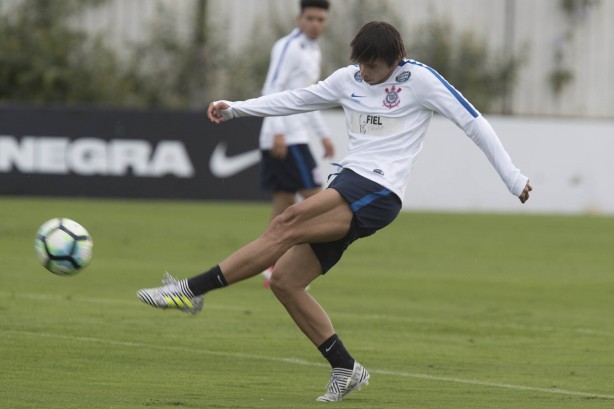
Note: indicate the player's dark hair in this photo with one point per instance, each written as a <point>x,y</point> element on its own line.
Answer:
<point>377,40</point>
<point>321,4</point>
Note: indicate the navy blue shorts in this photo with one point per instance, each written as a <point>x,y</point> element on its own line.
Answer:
<point>374,207</point>
<point>297,171</point>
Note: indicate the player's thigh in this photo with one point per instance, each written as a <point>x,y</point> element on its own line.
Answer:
<point>323,217</point>
<point>297,268</point>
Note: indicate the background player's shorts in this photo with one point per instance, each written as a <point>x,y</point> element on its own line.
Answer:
<point>295,172</point>
<point>373,206</point>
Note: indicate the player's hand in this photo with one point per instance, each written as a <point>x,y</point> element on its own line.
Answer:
<point>214,112</point>
<point>524,196</point>
<point>279,149</point>
<point>329,148</point>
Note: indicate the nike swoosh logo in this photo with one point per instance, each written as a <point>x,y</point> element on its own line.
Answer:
<point>357,96</point>
<point>223,166</point>
<point>331,345</point>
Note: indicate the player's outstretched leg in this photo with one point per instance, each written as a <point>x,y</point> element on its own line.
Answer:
<point>175,294</point>
<point>344,381</point>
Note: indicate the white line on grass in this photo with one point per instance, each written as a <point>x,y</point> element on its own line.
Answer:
<point>303,362</point>
<point>97,300</point>
<point>377,317</point>
<point>509,325</point>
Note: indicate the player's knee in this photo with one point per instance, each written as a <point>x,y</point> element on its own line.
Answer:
<point>289,216</point>
<point>282,228</point>
<point>276,285</point>
<point>281,287</point>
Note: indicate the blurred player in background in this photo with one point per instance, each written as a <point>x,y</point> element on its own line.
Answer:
<point>388,102</point>
<point>288,166</point>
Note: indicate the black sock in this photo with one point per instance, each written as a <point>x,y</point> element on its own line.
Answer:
<point>335,353</point>
<point>208,281</point>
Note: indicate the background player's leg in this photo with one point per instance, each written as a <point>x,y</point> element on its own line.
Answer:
<point>280,202</point>
<point>309,192</point>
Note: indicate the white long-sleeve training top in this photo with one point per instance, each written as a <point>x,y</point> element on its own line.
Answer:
<point>387,122</point>
<point>295,63</point>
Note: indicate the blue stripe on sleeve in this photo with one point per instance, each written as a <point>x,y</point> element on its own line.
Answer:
<point>282,55</point>
<point>450,88</point>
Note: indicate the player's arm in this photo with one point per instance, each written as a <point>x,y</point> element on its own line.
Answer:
<point>329,147</point>
<point>524,196</point>
<point>438,95</point>
<point>317,123</point>
<point>282,67</point>
<point>280,147</point>
<point>322,95</point>
<point>215,109</point>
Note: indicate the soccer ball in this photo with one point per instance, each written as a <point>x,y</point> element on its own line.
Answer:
<point>63,246</point>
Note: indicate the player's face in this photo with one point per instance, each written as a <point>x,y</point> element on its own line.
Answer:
<point>376,72</point>
<point>312,21</point>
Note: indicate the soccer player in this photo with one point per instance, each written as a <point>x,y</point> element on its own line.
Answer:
<point>288,167</point>
<point>388,102</point>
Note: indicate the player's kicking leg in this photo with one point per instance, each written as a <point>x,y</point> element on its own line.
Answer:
<point>323,217</point>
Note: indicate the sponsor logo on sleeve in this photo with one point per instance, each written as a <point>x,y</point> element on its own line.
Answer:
<point>403,77</point>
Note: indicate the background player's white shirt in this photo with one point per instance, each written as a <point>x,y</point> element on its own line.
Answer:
<point>295,63</point>
<point>387,122</point>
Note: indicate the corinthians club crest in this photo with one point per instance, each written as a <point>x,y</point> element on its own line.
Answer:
<point>392,97</point>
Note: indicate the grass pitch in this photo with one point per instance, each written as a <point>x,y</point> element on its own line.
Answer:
<point>445,310</point>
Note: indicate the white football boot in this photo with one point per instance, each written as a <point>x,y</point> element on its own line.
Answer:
<point>344,381</point>
<point>175,294</point>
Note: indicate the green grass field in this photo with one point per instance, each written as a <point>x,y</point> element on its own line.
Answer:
<point>445,310</point>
